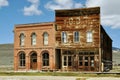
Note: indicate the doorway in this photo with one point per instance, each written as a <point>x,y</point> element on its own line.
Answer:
<point>33,61</point>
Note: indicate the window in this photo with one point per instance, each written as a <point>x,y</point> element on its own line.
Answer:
<point>80,60</point>
<point>64,37</point>
<point>67,60</point>
<point>45,58</point>
<point>22,39</point>
<point>89,36</point>
<point>86,60</point>
<point>45,38</point>
<point>76,36</point>
<point>22,59</point>
<point>33,39</point>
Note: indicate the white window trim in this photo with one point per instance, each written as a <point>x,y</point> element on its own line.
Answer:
<point>22,40</point>
<point>66,60</point>
<point>89,36</point>
<point>74,37</point>
<point>45,38</point>
<point>64,42</point>
<point>33,40</point>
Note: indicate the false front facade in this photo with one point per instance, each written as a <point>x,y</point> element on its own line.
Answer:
<point>74,42</point>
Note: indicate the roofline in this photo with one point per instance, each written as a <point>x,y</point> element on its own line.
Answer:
<point>106,32</point>
<point>78,8</point>
<point>34,24</point>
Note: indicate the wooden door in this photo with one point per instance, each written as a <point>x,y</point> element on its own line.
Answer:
<point>34,64</point>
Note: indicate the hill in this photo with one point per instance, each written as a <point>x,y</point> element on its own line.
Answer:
<point>6,54</point>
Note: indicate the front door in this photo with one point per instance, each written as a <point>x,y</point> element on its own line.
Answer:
<point>86,63</point>
<point>33,63</point>
<point>67,62</point>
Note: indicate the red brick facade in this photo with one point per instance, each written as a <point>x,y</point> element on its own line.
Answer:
<point>75,41</point>
<point>39,29</point>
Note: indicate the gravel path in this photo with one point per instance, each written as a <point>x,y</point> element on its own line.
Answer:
<point>53,78</point>
<point>36,78</point>
<point>104,78</point>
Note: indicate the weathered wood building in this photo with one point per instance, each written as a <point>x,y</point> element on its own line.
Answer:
<point>76,41</point>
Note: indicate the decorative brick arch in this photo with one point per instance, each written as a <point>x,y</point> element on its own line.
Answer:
<point>21,59</point>
<point>45,58</point>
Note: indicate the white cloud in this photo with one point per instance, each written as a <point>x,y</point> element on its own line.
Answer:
<point>62,4</point>
<point>33,8</point>
<point>110,13</point>
<point>3,3</point>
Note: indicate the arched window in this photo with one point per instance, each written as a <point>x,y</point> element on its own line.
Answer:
<point>89,36</point>
<point>64,37</point>
<point>22,39</point>
<point>76,36</point>
<point>22,59</point>
<point>45,35</point>
<point>45,59</point>
<point>33,39</point>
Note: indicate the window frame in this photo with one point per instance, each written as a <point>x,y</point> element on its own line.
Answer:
<point>76,37</point>
<point>45,59</point>
<point>45,38</point>
<point>89,36</point>
<point>22,39</point>
<point>67,60</point>
<point>22,59</point>
<point>64,37</point>
<point>33,39</point>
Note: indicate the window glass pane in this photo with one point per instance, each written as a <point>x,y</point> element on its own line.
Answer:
<point>65,63</point>
<point>92,61</point>
<point>21,39</point>
<point>86,58</point>
<point>22,59</point>
<point>64,37</point>
<point>86,63</point>
<point>65,60</point>
<point>89,36</point>
<point>76,36</point>
<point>80,58</point>
<point>69,60</point>
<point>45,38</point>
<point>45,59</point>
<point>80,63</point>
<point>33,39</point>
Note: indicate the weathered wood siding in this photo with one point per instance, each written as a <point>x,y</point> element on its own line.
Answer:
<point>81,20</point>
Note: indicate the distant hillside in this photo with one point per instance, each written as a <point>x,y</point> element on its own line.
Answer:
<point>116,55</point>
<point>115,49</point>
<point>6,54</point>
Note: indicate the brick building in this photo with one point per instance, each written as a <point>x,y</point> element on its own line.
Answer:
<point>75,41</point>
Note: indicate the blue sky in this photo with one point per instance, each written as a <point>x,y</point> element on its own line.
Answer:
<point>33,11</point>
